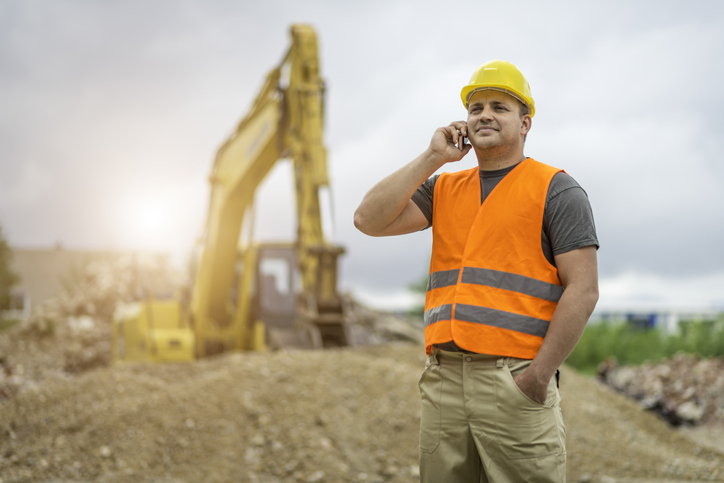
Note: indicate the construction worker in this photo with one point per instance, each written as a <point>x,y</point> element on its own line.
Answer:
<point>513,280</point>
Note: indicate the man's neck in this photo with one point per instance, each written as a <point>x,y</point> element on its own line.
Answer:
<point>492,163</point>
<point>492,158</point>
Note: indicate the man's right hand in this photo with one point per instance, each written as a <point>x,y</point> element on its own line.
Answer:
<point>444,143</point>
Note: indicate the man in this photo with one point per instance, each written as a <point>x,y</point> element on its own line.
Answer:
<point>513,281</point>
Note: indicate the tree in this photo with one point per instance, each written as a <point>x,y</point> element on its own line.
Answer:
<point>8,278</point>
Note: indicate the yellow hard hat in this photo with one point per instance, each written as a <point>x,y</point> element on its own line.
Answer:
<point>499,75</point>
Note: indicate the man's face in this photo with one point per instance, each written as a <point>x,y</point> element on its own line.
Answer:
<point>494,120</point>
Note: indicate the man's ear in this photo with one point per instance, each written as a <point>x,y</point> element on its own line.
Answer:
<point>525,124</point>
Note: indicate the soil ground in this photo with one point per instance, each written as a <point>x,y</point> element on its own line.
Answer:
<point>346,415</point>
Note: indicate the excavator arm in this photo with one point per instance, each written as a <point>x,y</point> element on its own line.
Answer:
<point>241,164</point>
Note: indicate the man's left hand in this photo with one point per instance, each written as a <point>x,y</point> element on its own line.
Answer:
<point>531,387</point>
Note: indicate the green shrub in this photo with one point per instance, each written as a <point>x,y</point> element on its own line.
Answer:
<point>629,345</point>
<point>419,288</point>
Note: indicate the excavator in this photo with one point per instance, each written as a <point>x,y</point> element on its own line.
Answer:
<point>246,295</point>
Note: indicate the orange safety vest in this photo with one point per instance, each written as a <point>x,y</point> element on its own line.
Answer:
<point>491,289</point>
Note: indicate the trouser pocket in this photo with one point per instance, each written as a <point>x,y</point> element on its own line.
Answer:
<point>527,429</point>
<point>431,414</point>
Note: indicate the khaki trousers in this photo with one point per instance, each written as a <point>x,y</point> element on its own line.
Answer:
<point>478,426</point>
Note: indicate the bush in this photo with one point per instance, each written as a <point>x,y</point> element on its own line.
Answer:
<point>629,345</point>
<point>419,287</point>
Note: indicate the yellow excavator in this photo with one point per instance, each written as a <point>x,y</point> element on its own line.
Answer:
<point>248,296</point>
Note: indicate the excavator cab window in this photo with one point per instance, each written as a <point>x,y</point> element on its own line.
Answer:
<point>276,290</point>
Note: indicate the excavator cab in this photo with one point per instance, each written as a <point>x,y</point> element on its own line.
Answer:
<point>290,316</point>
<point>275,301</point>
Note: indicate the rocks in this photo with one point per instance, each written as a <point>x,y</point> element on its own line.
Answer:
<point>683,389</point>
<point>689,411</point>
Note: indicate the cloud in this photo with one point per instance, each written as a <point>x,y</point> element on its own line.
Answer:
<point>26,186</point>
<point>642,291</point>
<point>633,125</point>
<point>112,104</point>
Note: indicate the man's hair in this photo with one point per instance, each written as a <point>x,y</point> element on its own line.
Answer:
<point>523,108</point>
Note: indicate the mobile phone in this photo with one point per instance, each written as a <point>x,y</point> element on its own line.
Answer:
<point>461,142</point>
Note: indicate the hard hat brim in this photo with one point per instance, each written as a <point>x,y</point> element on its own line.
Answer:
<point>469,90</point>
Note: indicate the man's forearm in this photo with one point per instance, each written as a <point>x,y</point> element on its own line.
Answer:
<point>387,199</point>
<point>386,209</point>
<point>565,330</point>
<point>578,271</point>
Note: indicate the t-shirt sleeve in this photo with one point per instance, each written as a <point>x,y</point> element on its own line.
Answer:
<point>423,198</point>
<point>568,219</point>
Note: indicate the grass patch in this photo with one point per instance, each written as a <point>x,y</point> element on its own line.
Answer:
<point>633,346</point>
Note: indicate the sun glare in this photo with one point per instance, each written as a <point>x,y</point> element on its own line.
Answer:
<point>150,217</point>
<point>146,222</point>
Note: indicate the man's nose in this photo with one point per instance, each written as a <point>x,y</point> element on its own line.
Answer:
<point>486,114</point>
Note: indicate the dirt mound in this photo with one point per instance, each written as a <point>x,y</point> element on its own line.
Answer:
<point>342,415</point>
<point>612,438</point>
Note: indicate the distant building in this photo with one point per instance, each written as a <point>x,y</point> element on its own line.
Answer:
<point>45,272</point>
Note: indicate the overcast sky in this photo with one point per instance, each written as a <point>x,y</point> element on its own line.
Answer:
<point>111,112</point>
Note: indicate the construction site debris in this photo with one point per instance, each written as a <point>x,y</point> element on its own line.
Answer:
<point>684,390</point>
<point>71,333</point>
<point>375,327</point>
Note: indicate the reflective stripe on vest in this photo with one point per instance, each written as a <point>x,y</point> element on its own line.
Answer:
<point>491,289</point>
<point>483,315</point>
<point>498,279</point>
<point>443,279</point>
<point>436,314</point>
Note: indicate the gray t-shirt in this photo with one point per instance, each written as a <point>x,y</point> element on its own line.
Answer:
<point>567,220</point>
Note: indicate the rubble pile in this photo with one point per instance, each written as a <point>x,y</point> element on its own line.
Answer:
<point>684,390</point>
<point>97,288</point>
<point>370,326</point>
<point>71,333</point>
<point>51,344</point>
